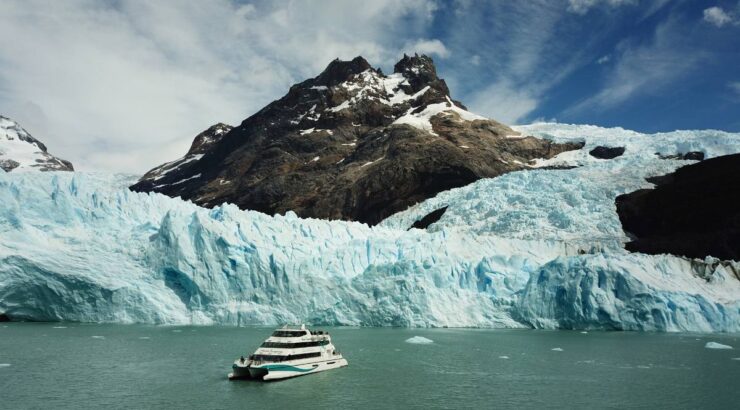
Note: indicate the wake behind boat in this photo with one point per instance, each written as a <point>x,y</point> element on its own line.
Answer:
<point>289,352</point>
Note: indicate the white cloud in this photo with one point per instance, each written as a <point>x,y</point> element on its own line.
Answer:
<point>126,85</point>
<point>475,60</point>
<point>582,7</point>
<point>504,102</point>
<point>717,16</point>
<point>429,47</point>
<point>603,59</point>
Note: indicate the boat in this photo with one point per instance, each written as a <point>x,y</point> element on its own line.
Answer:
<point>290,351</point>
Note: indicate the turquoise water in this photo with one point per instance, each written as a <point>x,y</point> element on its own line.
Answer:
<point>120,366</point>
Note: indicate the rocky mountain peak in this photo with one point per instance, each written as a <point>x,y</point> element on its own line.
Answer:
<point>20,150</point>
<point>339,71</point>
<point>420,71</point>
<point>207,138</point>
<point>351,143</point>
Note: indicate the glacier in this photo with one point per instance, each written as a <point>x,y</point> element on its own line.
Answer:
<point>532,249</point>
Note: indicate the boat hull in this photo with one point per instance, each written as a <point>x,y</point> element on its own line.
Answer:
<point>277,371</point>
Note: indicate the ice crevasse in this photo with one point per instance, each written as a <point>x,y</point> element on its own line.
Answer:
<point>81,247</point>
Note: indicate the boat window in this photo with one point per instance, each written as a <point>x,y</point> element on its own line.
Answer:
<point>281,345</point>
<point>276,358</point>
<point>289,333</point>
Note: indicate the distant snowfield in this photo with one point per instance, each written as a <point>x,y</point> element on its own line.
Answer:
<point>538,248</point>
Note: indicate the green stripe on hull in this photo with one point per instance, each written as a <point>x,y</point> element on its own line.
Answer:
<point>285,368</point>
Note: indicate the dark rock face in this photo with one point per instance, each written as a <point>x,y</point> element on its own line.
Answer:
<point>691,155</point>
<point>429,218</point>
<point>694,212</point>
<point>352,144</point>
<point>4,317</point>
<point>31,153</point>
<point>602,152</point>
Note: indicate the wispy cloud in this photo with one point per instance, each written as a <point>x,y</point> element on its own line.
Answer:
<point>645,68</point>
<point>583,6</point>
<point>734,86</point>
<point>527,50</point>
<point>124,85</point>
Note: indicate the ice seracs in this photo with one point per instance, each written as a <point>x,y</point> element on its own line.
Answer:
<point>290,351</point>
<point>81,247</point>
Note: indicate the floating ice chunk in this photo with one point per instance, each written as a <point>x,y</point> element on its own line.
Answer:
<point>736,358</point>
<point>584,333</point>
<point>715,345</point>
<point>4,364</point>
<point>419,340</point>
<point>144,337</point>
<point>557,349</point>
<point>503,357</point>
<point>59,327</point>
<point>177,331</point>
<point>98,337</point>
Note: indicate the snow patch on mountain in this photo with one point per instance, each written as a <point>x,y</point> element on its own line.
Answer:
<point>422,119</point>
<point>19,151</point>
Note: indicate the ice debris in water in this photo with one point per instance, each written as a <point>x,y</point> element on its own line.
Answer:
<point>419,340</point>
<point>4,364</point>
<point>59,327</point>
<point>503,357</point>
<point>715,345</point>
<point>98,337</point>
<point>557,349</point>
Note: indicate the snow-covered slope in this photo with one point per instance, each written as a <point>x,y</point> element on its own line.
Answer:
<point>79,247</point>
<point>19,151</point>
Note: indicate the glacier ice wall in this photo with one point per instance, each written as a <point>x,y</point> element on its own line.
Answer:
<point>81,247</point>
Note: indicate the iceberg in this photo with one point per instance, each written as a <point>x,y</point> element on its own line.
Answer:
<point>715,345</point>
<point>531,249</point>
<point>419,340</point>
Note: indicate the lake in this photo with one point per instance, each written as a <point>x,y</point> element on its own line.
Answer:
<point>72,365</point>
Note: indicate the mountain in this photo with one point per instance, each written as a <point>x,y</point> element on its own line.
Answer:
<point>20,151</point>
<point>353,144</point>
<point>694,211</point>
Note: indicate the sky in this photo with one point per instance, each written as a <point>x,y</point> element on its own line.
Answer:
<point>125,85</point>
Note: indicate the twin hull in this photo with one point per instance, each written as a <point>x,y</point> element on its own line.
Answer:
<point>275,371</point>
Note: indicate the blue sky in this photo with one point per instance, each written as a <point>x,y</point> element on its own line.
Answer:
<point>647,66</point>
<point>123,85</point>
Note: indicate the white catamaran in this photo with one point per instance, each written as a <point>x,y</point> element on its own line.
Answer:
<point>289,352</point>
